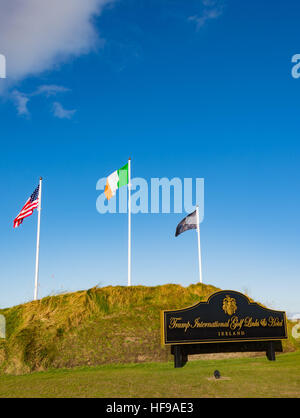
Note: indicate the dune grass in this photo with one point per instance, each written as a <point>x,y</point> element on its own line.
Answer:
<point>91,327</point>
<point>99,326</point>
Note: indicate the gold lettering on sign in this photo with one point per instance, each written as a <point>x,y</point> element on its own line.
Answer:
<point>263,322</point>
<point>250,322</point>
<point>274,322</point>
<point>215,324</point>
<point>235,324</point>
<point>175,324</point>
<point>230,333</point>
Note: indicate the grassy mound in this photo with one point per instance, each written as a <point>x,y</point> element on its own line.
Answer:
<point>93,327</point>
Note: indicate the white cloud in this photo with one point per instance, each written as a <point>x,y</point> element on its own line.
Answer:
<point>209,3</point>
<point>212,9</point>
<point>37,35</point>
<point>50,90</point>
<point>61,113</point>
<point>20,100</point>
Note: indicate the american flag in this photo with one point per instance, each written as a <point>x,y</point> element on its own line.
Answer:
<point>27,210</point>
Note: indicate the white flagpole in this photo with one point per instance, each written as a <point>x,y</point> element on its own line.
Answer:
<point>199,245</point>
<point>129,222</point>
<point>38,243</point>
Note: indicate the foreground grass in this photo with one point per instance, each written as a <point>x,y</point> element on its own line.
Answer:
<point>242,377</point>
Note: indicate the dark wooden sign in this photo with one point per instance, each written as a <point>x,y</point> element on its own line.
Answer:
<point>226,317</point>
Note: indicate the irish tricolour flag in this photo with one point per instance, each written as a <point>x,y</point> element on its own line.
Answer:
<point>116,180</point>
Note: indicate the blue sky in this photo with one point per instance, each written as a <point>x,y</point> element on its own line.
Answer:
<point>187,89</point>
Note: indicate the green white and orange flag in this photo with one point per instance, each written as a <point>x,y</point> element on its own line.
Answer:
<point>116,180</point>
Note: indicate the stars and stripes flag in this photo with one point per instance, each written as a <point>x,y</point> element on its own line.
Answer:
<point>27,210</point>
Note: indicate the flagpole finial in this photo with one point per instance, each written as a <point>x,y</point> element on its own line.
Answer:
<point>41,178</point>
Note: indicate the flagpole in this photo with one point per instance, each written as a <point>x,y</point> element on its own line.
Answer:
<point>199,246</point>
<point>129,222</point>
<point>38,243</point>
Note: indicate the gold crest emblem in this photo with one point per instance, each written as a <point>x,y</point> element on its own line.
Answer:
<point>229,305</point>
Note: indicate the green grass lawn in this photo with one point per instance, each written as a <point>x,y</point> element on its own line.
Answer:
<point>241,377</point>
